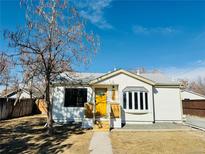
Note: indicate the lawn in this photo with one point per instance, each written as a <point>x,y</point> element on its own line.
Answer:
<point>183,142</point>
<point>27,135</point>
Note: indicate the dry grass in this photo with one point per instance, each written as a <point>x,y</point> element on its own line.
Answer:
<point>187,142</point>
<point>27,135</point>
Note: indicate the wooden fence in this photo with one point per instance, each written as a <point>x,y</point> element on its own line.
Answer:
<point>22,108</point>
<point>194,107</point>
<point>41,106</point>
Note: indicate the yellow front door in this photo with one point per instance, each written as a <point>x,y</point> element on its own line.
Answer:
<point>101,101</point>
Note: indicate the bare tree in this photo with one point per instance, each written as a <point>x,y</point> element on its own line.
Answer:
<point>139,70</point>
<point>197,86</point>
<point>142,70</point>
<point>53,39</point>
<point>184,83</point>
<point>4,70</point>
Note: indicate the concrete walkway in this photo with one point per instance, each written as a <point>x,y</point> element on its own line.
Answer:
<point>196,121</point>
<point>154,127</point>
<point>100,143</point>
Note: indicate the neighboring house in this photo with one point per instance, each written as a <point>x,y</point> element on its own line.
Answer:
<point>22,94</point>
<point>185,95</point>
<point>142,98</point>
<point>16,103</point>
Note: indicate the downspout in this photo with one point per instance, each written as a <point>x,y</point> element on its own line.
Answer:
<point>181,105</point>
<point>153,104</point>
<point>93,100</point>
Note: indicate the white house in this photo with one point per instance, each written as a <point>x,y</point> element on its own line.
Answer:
<point>185,94</point>
<point>142,98</point>
<point>22,93</point>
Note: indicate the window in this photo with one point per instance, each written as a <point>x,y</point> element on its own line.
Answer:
<point>141,101</point>
<point>124,101</point>
<point>135,99</point>
<point>75,97</point>
<point>146,101</point>
<point>130,100</point>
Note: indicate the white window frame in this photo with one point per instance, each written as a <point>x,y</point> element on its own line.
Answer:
<point>139,110</point>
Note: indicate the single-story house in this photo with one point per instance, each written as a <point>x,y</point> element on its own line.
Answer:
<point>190,95</point>
<point>142,98</point>
<point>25,94</point>
<point>21,93</point>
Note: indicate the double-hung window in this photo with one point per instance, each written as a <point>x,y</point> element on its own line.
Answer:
<point>135,99</point>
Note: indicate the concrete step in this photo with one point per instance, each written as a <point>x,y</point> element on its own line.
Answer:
<point>101,126</point>
<point>101,130</point>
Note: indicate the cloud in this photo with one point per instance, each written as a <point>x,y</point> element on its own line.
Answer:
<point>138,29</point>
<point>93,10</point>
<point>192,72</point>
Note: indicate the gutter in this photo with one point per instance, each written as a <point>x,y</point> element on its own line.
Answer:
<point>164,85</point>
<point>153,104</point>
<point>60,84</point>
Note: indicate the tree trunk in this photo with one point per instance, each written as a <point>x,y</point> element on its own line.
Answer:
<point>49,108</point>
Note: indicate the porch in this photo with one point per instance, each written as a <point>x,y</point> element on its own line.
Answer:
<point>104,112</point>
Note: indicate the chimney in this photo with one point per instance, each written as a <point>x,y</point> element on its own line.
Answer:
<point>138,72</point>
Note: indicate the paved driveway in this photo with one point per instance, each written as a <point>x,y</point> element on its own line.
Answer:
<point>196,121</point>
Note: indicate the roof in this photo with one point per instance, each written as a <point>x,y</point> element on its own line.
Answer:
<point>135,88</point>
<point>92,78</point>
<point>78,78</point>
<point>159,78</point>
<point>10,93</point>
<point>192,92</point>
<point>121,71</point>
<point>15,91</point>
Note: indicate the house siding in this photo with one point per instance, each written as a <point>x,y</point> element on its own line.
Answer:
<point>65,114</point>
<point>124,81</point>
<point>168,105</point>
<point>166,101</point>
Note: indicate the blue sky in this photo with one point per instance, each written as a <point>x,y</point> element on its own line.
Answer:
<point>168,35</point>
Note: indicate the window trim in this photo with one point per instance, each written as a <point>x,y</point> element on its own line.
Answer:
<point>138,110</point>
<point>78,88</point>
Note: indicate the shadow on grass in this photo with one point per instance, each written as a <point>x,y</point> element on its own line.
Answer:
<point>30,136</point>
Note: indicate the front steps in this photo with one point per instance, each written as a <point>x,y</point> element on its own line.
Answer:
<point>98,125</point>
<point>101,125</point>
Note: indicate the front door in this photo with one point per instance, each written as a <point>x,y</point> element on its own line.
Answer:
<point>101,101</point>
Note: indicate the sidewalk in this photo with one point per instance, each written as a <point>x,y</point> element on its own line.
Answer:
<point>100,143</point>
<point>154,127</point>
<point>196,121</point>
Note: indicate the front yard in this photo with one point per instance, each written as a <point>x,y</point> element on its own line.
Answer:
<point>181,142</point>
<point>27,135</point>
